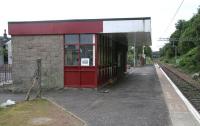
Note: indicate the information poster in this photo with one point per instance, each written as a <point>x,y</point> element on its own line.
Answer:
<point>85,62</point>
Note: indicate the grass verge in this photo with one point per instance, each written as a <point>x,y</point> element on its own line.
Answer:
<point>37,112</point>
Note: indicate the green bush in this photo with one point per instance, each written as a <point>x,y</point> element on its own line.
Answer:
<point>189,62</point>
<point>166,61</point>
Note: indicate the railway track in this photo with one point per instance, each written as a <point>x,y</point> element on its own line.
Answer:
<point>191,92</point>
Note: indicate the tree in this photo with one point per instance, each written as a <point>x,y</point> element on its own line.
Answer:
<point>167,51</point>
<point>181,25</point>
<point>185,37</point>
<point>148,51</point>
<point>130,55</point>
<point>186,40</point>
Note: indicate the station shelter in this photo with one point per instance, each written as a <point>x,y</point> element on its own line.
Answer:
<point>75,53</point>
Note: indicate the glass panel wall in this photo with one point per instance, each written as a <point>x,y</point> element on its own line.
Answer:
<point>71,39</point>
<point>86,38</point>
<point>71,55</point>
<point>86,52</point>
<point>80,50</point>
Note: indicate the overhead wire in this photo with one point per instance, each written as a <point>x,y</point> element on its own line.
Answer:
<point>172,19</point>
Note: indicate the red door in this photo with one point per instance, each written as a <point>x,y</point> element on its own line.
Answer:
<point>80,47</point>
<point>72,76</point>
<point>77,77</point>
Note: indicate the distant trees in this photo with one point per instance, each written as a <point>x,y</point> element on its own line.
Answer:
<point>130,55</point>
<point>167,51</point>
<point>148,51</point>
<point>185,38</point>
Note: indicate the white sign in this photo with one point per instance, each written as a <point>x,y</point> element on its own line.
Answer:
<point>85,62</point>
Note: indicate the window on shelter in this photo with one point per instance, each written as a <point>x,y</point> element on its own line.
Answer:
<point>86,52</point>
<point>86,38</point>
<point>71,55</point>
<point>79,50</point>
<point>71,39</point>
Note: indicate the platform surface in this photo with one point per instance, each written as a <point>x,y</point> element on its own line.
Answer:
<point>179,113</point>
<point>135,100</point>
<point>144,97</point>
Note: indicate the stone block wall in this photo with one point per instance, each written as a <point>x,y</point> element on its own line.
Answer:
<point>27,49</point>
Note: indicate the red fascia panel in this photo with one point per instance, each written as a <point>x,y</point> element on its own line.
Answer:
<point>46,28</point>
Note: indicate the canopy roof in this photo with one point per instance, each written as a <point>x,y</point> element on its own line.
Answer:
<point>137,31</point>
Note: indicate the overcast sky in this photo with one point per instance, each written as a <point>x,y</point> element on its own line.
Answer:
<point>161,12</point>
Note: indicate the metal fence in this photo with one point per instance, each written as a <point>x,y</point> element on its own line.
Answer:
<point>5,74</point>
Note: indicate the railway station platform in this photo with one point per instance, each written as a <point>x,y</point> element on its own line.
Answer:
<point>144,97</point>
<point>180,110</point>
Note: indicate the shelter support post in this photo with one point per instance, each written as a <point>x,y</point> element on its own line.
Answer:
<point>134,55</point>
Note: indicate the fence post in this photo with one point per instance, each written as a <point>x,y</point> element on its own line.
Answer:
<point>39,77</point>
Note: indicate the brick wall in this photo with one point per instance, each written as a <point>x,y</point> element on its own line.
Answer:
<point>26,49</point>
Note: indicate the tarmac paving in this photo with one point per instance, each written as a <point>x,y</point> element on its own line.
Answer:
<point>4,96</point>
<point>135,100</point>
